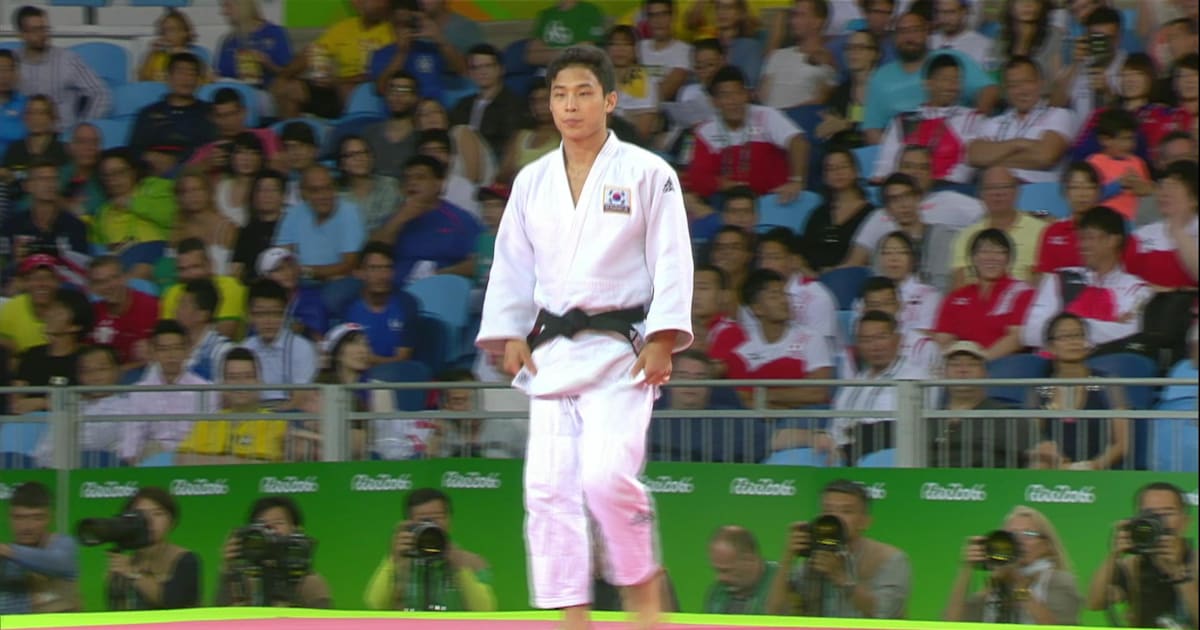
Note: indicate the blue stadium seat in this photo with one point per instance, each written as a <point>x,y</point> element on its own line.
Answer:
<point>866,156</point>
<point>429,336</point>
<point>845,284</point>
<point>87,4</point>
<point>202,53</point>
<point>1015,366</point>
<point>793,216</point>
<point>114,132</point>
<point>109,61</point>
<point>145,286</point>
<point>99,459</point>
<point>845,320</point>
<point>129,99</point>
<point>456,89</point>
<point>1183,369</point>
<point>250,97</point>
<point>447,298</point>
<point>364,100</point>
<point>878,459</point>
<point>1174,441</point>
<point>12,44</point>
<point>347,126</point>
<point>158,460</point>
<point>405,372</point>
<point>22,437</point>
<point>166,4</point>
<point>800,457</point>
<point>16,461</point>
<point>1043,197</point>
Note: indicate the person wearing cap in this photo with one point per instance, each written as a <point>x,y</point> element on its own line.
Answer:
<point>492,199</point>
<point>346,355</point>
<point>284,356</point>
<point>990,310</point>
<point>22,319</point>
<point>976,442</point>
<point>306,313</point>
<point>124,317</point>
<point>46,227</point>
<point>325,232</point>
<point>168,131</point>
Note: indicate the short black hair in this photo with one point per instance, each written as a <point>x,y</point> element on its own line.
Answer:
<point>184,57</point>
<point>157,495</point>
<point>1190,61</point>
<point>722,279</point>
<point>852,488</point>
<point>265,503</point>
<point>784,237</point>
<point>26,12</point>
<point>80,307</point>
<point>757,282</point>
<point>247,141</point>
<point>1106,220</point>
<point>376,247</point>
<point>878,283</point>
<point>1115,121</point>
<point>1064,316</point>
<point>995,237</point>
<point>204,295</point>
<point>1184,172</point>
<point>266,174</point>
<point>126,155</point>
<point>1161,486</point>
<point>421,496</point>
<point>440,136</point>
<point>727,74</point>
<point>297,131</point>
<point>485,49</point>
<point>437,166</point>
<point>711,44</point>
<point>107,351</point>
<point>1083,168</point>
<point>267,289</point>
<point>167,327</point>
<point>227,95</point>
<point>820,7</point>
<point>191,245</point>
<point>1103,15</point>
<point>589,57</point>
<point>239,353</point>
<point>1016,61</point>
<point>623,30</point>
<point>901,179</point>
<point>739,192</point>
<point>747,238</point>
<point>31,494</point>
<point>941,61</point>
<point>8,54</point>
<point>879,317</point>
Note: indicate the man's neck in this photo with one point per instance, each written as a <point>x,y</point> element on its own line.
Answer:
<point>1134,104</point>
<point>170,378</point>
<point>773,331</point>
<point>347,375</point>
<point>734,126</point>
<point>62,345</point>
<point>750,588</point>
<point>1071,369</point>
<point>951,34</point>
<point>916,229</point>
<point>966,400</point>
<point>581,154</point>
<point>1003,220</point>
<point>121,304</point>
<point>663,43</point>
<point>180,100</point>
<point>44,213</point>
<point>267,216</point>
<point>197,335</point>
<point>34,55</point>
<point>492,92</point>
<point>400,124</point>
<point>912,66</point>
<point>1105,267</point>
<point>376,300</point>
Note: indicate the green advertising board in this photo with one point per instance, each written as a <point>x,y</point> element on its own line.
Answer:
<point>352,510</point>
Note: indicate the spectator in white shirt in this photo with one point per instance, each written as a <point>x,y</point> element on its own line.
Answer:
<point>881,293</point>
<point>898,261</point>
<point>950,20</point>
<point>813,307</point>
<point>1030,137</point>
<point>98,367</point>
<point>666,58</point>
<point>284,357</point>
<point>1094,76</point>
<point>638,102</point>
<point>58,73</point>
<point>802,74</point>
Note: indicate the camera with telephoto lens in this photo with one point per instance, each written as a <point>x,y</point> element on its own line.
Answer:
<point>288,556</point>
<point>1144,532</point>
<point>1100,49</point>
<point>826,533</point>
<point>429,540</point>
<point>128,531</point>
<point>1000,549</point>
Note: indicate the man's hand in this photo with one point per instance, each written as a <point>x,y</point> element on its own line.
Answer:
<point>974,552</point>
<point>231,551</point>
<point>402,540</point>
<point>1121,542</point>
<point>1168,554</point>
<point>517,355</point>
<point>119,564</point>
<point>655,359</point>
<point>789,191</point>
<point>5,551</point>
<point>830,125</point>
<point>799,540</point>
<point>829,564</point>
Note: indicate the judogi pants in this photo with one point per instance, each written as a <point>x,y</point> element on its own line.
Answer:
<point>585,454</point>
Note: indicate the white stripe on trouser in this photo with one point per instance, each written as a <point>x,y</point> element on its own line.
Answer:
<point>585,454</point>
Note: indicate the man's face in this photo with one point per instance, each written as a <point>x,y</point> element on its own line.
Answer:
<point>998,189</point>
<point>401,97</point>
<point>776,257</point>
<point>29,525</point>
<point>902,204</point>
<point>42,283</point>
<point>58,322</point>
<point>377,274</point>
<point>740,213</point>
<point>771,304</point>
<point>277,520</point>
<point>895,259</point>
<point>850,509</point>
<point>1174,198</point>
<point>917,165</point>
<point>108,283</point>
<point>689,369</point>
<point>878,343</point>
<point>267,317</point>
<point>371,9</point>
<point>1120,145</point>
<point>230,119</point>
<point>193,266</point>
<point>39,116</point>
<point>170,351</point>
<point>97,369</point>
<point>241,372</point>
<point>422,184</point>
<point>731,100</point>
<point>1175,150</point>
<point>286,273</point>
<point>1187,84</point>
<point>1166,504</point>
<point>299,155</point>
<point>1097,247</point>
<point>706,294</point>
<point>990,260</point>
<point>944,87</point>
<point>658,18</point>
<point>1023,87</point>
<point>188,313</point>
<point>879,15</point>
<point>1110,31</point>
<point>183,78</point>
<point>737,572</point>
<point>964,366</point>
<point>805,22</point>
<point>706,64</point>
<point>485,71</point>
<point>882,300</point>
<point>319,192</point>
<point>949,16</point>
<point>911,33</point>
<point>434,511</point>
<point>85,146</point>
<point>42,184</point>
<point>579,104</point>
<point>621,50</point>
<point>118,177</point>
<point>8,75</point>
<point>35,32</point>
<point>730,254</point>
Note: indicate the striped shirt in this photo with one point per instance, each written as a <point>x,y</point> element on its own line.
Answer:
<point>62,75</point>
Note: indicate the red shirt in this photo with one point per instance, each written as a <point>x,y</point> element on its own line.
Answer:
<point>123,331</point>
<point>1156,259</point>
<point>748,356</point>
<point>1059,248</point>
<point>971,316</point>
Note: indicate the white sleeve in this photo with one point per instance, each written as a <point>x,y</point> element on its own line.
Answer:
<point>927,310</point>
<point>1046,304</point>
<point>871,230</point>
<point>508,307</point>
<point>822,313</point>
<point>889,149</point>
<point>1130,301</point>
<point>987,129</point>
<point>779,127</point>
<point>816,353</point>
<point>1060,121</point>
<point>668,254</point>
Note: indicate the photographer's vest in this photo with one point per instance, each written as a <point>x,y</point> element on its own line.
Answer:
<point>828,600</point>
<point>1149,597</point>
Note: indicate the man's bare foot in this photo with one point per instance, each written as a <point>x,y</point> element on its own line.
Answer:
<point>644,601</point>
<point>576,618</point>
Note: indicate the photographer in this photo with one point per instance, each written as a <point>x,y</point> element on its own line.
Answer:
<point>1157,582</point>
<point>847,574</point>
<point>38,570</point>
<point>159,575</point>
<point>1029,575</point>
<point>743,576</point>
<point>462,577</point>
<point>245,583</point>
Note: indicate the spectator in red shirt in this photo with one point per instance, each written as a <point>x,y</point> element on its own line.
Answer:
<point>709,298</point>
<point>1059,246</point>
<point>989,311</point>
<point>1166,251</point>
<point>124,317</point>
<point>783,350</point>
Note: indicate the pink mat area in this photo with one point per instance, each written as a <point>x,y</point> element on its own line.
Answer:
<point>382,624</point>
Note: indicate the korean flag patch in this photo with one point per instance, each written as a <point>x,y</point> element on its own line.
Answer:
<point>616,199</point>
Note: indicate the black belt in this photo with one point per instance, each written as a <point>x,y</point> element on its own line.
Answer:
<point>548,326</point>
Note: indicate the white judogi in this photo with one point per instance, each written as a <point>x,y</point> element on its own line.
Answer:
<point>624,245</point>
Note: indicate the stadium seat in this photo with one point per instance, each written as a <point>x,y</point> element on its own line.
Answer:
<point>429,337</point>
<point>878,459</point>
<point>447,298</point>
<point>800,457</point>
<point>12,44</point>
<point>1015,366</point>
<point>86,4</point>
<point>845,284</point>
<point>405,372</point>
<point>866,156</point>
<point>114,132</point>
<point>22,438</point>
<point>364,100</point>
<point>166,4</point>
<point>129,99</point>
<point>158,460</point>
<point>1183,369</point>
<point>1174,440</point>
<point>348,126</point>
<point>202,53</point>
<point>793,216</point>
<point>109,61</point>
<point>1044,197</point>
<point>16,461</point>
<point>250,97</point>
